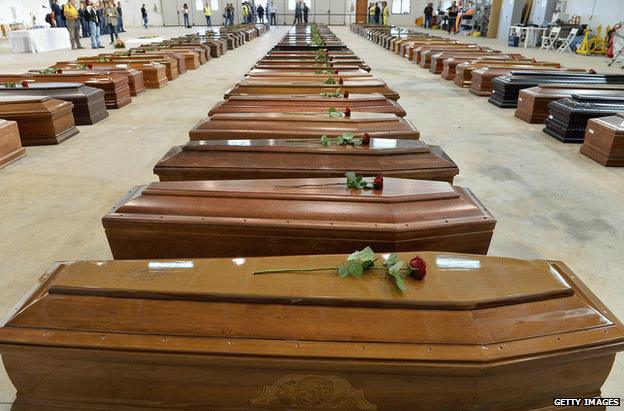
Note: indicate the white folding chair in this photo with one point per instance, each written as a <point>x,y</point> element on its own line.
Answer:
<point>548,42</point>
<point>565,43</point>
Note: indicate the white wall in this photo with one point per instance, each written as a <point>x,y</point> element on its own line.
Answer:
<point>132,12</point>
<point>597,12</point>
<point>22,11</point>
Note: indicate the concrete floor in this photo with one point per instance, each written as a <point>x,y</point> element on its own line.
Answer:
<point>550,201</point>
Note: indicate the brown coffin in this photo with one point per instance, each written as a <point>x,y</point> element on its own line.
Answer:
<point>604,140</point>
<point>319,74</point>
<point>417,52</point>
<point>181,56</point>
<point>481,82</point>
<point>409,47</point>
<point>234,218</point>
<point>134,76</point>
<point>437,59</point>
<point>115,86</point>
<point>41,120</point>
<point>293,103</point>
<point>154,74</point>
<point>265,159</point>
<point>533,101</point>
<point>463,71</point>
<point>450,64</point>
<point>426,55</point>
<point>253,126</point>
<point>261,86</point>
<point>311,63</point>
<point>307,67</point>
<point>191,55</point>
<point>89,106</point>
<point>171,64</point>
<point>478,333</point>
<point>10,144</point>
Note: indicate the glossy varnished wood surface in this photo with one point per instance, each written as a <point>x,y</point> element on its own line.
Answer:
<point>154,74</point>
<point>229,339</point>
<point>604,140</point>
<point>262,159</point>
<point>10,144</point>
<point>135,77</point>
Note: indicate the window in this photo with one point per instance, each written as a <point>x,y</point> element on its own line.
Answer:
<point>214,5</point>
<point>401,6</point>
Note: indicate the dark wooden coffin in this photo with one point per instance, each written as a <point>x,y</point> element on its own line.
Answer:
<point>463,71</point>
<point>154,74</point>
<point>252,126</point>
<point>311,63</point>
<point>134,76</point>
<point>481,83</point>
<point>234,218</point>
<point>437,59</point>
<point>604,140</point>
<point>171,65</point>
<point>89,106</point>
<point>41,120</point>
<point>533,102</point>
<point>308,67</point>
<point>568,117</point>
<point>449,68</point>
<point>478,333</point>
<point>293,103</point>
<point>115,86</point>
<point>10,144</point>
<point>506,89</point>
<point>262,86</point>
<point>263,159</point>
<point>322,75</point>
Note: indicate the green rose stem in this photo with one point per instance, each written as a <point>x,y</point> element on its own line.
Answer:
<point>309,270</point>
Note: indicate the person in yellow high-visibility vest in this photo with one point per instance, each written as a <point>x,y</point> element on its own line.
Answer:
<point>208,14</point>
<point>385,13</point>
<point>245,12</point>
<point>371,13</point>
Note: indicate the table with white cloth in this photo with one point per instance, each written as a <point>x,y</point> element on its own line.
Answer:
<point>39,40</point>
<point>131,43</point>
<point>531,34</point>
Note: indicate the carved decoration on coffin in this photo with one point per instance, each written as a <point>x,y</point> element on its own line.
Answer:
<point>299,391</point>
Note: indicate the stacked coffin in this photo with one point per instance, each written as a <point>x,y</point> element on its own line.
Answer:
<point>242,330</point>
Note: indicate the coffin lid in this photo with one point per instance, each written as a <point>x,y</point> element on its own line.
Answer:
<point>615,124</point>
<point>357,116</point>
<point>377,146</point>
<point>44,86</point>
<point>310,97</point>
<point>469,309</point>
<point>579,86</point>
<point>23,99</point>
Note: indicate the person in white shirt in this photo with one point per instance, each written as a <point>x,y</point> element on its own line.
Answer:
<point>272,14</point>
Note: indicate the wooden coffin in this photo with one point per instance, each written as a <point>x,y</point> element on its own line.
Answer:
<point>449,68</point>
<point>604,140</point>
<point>262,86</point>
<point>262,159</point>
<point>417,52</point>
<point>134,76</point>
<point>437,59</point>
<point>302,62</point>
<point>318,74</point>
<point>252,126</point>
<point>115,86</point>
<point>234,218</point>
<point>426,55</point>
<point>154,74</point>
<point>203,50</point>
<point>478,333</point>
<point>89,106</point>
<point>293,103</point>
<point>10,144</point>
<point>533,102</point>
<point>463,71</point>
<point>178,56</point>
<point>568,117</point>
<point>171,65</point>
<point>41,120</point>
<point>506,89</point>
<point>481,83</point>
<point>312,68</point>
<point>190,57</point>
<point>407,49</point>
<point>217,47</point>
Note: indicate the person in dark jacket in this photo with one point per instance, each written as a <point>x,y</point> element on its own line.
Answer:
<point>120,27</point>
<point>101,19</point>
<point>58,13</point>
<point>377,13</point>
<point>94,27</point>
<point>144,15</point>
<point>306,10</point>
<point>428,12</point>
<point>110,14</point>
<point>260,11</point>
<point>82,17</point>
<point>452,18</point>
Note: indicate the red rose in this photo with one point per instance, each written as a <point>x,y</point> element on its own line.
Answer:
<point>340,81</point>
<point>347,112</point>
<point>25,84</point>
<point>346,94</point>
<point>60,71</point>
<point>89,66</point>
<point>378,183</point>
<point>366,139</point>
<point>418,268</point>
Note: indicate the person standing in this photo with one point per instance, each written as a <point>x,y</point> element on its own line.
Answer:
<point>208,14</point>
<point>452,17</point>
<point>428,12</point>
<point>306,10</point>
<point>385,13</point>
<point>260,11</point>
<point>273,14</point>
<point>71,19</point>
<point>120,27</point>
<point>94,27</point>
<point>58,14</point>
<point>245,12</point>
<point>377,13</point>
<point>144,15</point>
<point>297,13</point>
<point>371,13</point>
<point>185,15</point>
<point>82,18</point>
<point>101,19</point>
<point>110,13</point>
